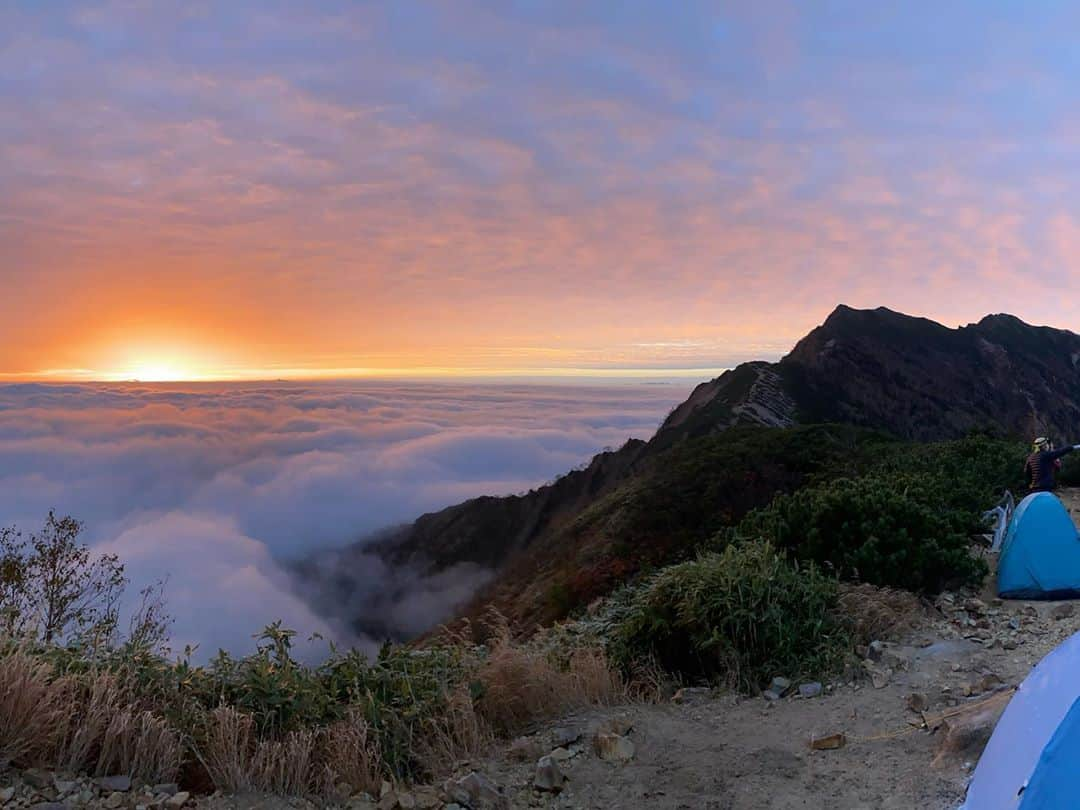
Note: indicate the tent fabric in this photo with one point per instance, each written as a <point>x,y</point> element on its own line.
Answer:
<point>1053,785</point>
<point>1046,696</point>
<point>1040,558</point>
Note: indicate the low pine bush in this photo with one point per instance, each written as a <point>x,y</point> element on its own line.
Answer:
<point>892,532</point>
<point>743,615</point>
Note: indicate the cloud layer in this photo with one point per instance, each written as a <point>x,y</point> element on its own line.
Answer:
<point>215,486</point>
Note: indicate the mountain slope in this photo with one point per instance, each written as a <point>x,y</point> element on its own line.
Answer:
<point>873,369</point>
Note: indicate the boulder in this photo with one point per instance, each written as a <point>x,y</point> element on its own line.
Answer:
<point>548,776</point>
<point>177,800</point>
<point>809,690</point>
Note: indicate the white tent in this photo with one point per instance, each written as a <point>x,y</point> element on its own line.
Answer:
<point>1027,725</point>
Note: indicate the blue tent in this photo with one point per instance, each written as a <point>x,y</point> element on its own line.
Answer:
<point>1040,558</point>
<point>1030,761</point>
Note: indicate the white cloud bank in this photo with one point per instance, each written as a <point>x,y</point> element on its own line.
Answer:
<point>215,485</point>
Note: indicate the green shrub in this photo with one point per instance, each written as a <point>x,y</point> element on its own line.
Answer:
<point>890,532</point>
<point>743,615</point>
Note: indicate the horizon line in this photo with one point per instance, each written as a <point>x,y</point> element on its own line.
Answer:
<point>93,376</point>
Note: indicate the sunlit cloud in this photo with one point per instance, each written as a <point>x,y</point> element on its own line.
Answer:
<point>392,188</point>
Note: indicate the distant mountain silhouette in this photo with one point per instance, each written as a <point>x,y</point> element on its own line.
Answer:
<point>873,369</point>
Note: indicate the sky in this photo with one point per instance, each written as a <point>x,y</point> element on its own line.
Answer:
<point>270,189</point>
<point>219,488</point>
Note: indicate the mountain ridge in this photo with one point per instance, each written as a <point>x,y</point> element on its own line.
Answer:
<point>872,369</point>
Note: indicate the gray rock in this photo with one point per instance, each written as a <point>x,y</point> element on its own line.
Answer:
<point>37,778</point>
<point>7,794</point>
<point>1063,611</point>
<point>476,791</point>
<point>781,686</point>
<point>876,650</point>
<point>771,694</point>
<point>525,749</point>
<point>810,690</point>
<point>548,776</point>
<point>565,736</point>
<point>177,800</point>
<point>120,782</point>
<point>168,788</point>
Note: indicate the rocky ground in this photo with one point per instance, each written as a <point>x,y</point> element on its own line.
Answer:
<point>905,731</point>
<point>718,751</point>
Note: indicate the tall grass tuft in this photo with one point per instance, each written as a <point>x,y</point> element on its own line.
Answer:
<point>743,615</point>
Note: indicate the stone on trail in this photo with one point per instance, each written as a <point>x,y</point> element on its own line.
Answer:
<point>120,782</point>
<point>476,791</point>
<point>7,794</point>
<point>780,685</point>
<point>37,778</point>
<point>548,776</point>
<point>1063,611</point>
<point>613,748</point>
<point>875,650</point>
<point>564,736</point>
<point>177,800</point>
<point>525,749</point>
<point>966,734</point>
<point>829,743</point>
<point>918,702</point>
<point>809,690</point>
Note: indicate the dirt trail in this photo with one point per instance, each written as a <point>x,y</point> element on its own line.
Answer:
<point>727,753</point>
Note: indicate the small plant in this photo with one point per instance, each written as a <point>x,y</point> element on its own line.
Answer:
<point>742,615</point>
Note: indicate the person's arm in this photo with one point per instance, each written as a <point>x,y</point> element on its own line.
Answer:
<point>1064,451</point>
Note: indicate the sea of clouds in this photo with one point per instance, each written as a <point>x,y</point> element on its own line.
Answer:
<point>218,487</point>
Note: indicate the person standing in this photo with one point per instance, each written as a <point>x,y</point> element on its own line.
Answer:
<point>1043,464</point>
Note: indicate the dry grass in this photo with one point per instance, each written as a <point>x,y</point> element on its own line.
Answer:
<point>520,685</point>
<point>94,723</point>
<point>142,745</point>
<point>80,726</point>
<point>879,613</point>
<point>226,748</point>
<point>351,754</point>
<point>302,763</point>
<point>33,708</point>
